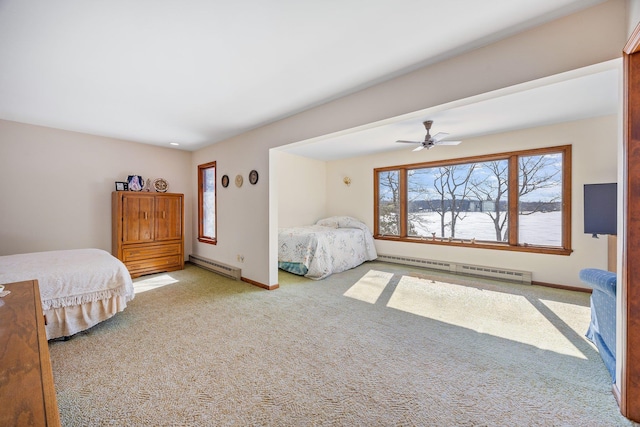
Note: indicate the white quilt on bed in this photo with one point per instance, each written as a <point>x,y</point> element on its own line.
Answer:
<point>70,277</point>
<point>330,246</point>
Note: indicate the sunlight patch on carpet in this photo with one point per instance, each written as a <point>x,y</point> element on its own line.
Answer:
<point>498,313</point>
<point>370,286</point>
<point>155,282</point>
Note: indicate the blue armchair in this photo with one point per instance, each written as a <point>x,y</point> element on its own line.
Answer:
<point>602,328</point>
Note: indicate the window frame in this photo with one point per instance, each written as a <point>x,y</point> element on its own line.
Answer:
<point>212,240</point>
<point>513,199</point>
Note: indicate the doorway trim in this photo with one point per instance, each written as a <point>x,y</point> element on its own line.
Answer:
<point>628,391</point>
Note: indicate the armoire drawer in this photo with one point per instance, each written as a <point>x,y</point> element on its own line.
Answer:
<point>147,252</point>
<point>158,264</point>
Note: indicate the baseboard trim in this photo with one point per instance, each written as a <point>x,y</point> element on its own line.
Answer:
<point>616,393</point>
<point>565,287</point>
<point>260,285</point>
<point>498,273</point>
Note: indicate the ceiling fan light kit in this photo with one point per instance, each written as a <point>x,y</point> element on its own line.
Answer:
<point>431,141</point>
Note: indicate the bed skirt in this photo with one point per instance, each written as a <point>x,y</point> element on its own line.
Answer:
<point>67,321</point>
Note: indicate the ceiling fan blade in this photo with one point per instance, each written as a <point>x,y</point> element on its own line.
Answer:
<point>409,142</point>
<point>438,136</point>
<point>448,142</point>
<point>419,148</point>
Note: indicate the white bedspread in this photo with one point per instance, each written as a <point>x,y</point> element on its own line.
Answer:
<point>330,246</point>
<point>70,277</point>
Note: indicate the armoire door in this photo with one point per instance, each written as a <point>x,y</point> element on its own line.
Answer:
<point>137,219</point>
<point>168,214</point>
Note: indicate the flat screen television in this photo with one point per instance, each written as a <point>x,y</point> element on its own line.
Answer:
<point>600,209</point>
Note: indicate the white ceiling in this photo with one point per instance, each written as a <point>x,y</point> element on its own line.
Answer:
<point>197,72</point>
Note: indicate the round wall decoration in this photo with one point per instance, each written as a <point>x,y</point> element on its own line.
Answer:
<point>225,181</point>
<point>239,181</point>
<point>253,177</point>
<point>160,185</point>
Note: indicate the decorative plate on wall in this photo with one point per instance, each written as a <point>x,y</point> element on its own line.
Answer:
<point>239,181</point>
<point>225,181</point>
<point>160,185</point>
<point>253,177</point>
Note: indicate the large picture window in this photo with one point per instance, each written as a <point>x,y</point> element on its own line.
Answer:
<point>518,200</point>
<point>207,215</point>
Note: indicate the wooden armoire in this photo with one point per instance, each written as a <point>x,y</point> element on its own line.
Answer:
<point>148,231</point>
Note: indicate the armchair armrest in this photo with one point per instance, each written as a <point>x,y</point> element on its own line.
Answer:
<point>601,280</point>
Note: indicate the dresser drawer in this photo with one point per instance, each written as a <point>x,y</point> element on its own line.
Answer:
<point>146,252</point>
<point>158,264</point>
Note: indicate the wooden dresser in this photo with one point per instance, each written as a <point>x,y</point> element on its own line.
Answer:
<point>27,393</point>
<point>148,231</point>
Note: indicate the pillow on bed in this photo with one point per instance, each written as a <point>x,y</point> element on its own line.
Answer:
<point>342,222</point>
<point>328,222</point>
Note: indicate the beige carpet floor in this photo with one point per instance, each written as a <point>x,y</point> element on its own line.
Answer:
<point>379,345</point>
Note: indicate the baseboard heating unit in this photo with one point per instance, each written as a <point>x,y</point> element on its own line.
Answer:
<point>216,267</point>
<point>459,268</point>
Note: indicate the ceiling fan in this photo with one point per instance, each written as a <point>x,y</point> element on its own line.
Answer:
<point>431,141</point>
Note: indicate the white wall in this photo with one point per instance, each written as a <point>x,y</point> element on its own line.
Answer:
<point>302,189</point>
<point>633,12</point>
<point>563,45</point>
<point>56,185</point>
<point>594,151</point>
<point>242,213</point>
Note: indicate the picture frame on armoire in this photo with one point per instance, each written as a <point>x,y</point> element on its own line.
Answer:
<point>122,186</point>
<point>136,183</point>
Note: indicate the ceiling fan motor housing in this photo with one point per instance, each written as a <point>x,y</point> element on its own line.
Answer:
<point>427,137</point>
<point>431,141</point>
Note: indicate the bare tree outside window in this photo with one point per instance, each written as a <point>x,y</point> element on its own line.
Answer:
<point>469,202</point>
<point>442,191</point>
<point>389,202</point>
<point>540,191</point>
<point>491,189</point>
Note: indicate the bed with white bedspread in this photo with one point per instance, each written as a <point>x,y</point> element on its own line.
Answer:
<point>330,246</point>
<point>79,288</point>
